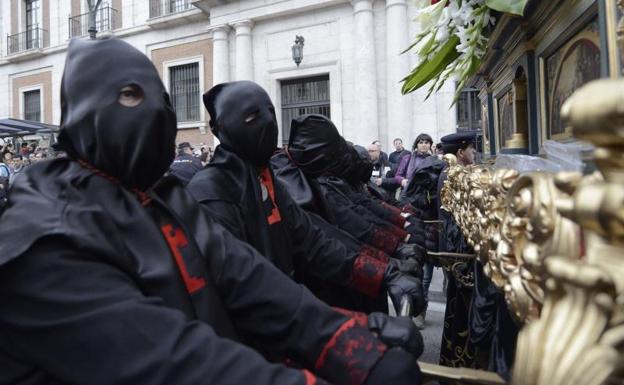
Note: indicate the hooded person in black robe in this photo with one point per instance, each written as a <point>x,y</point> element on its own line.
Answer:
<point>118,279</point>
<point>239,189</point>
<point>318,151</point>
<point>300,192</point>
<point>350,176</point>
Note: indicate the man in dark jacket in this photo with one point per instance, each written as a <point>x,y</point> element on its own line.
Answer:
<point>185,165</point>
<point>239,189</point>
<point>122,280</point>
<point>398,153</point>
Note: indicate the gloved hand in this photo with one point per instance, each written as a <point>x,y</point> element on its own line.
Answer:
<point>406,251</point>
<point>396,367</point>
<point>409,266</point>
<point>397,332</point>
<point>416,236</point>
<point>399,284</point>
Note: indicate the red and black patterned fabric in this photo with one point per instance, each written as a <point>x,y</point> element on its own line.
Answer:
<point>351,353</point>
<point>374,252</point>
<point>368,274</point>
<point>383,240</point>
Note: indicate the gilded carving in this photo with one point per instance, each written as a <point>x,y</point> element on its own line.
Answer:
<point>554,244</point>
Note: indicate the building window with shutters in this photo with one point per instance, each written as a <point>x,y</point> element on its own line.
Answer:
<point>31,105</point>
<point>185,91</point>
<point>304,96</point>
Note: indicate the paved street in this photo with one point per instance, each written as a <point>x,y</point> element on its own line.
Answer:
<point>432,334</point>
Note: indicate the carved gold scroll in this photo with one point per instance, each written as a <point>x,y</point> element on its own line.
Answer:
<point>554,244</point>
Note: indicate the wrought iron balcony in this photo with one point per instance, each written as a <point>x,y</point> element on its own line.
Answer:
<point>106,19</point>
<point>160,8</point>
<point>32,38</point>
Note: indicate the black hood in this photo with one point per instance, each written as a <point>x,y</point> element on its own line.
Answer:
<point>315,145</point>
<point>349,166</point>
<point>364,164</point>
<point>134,144</point>
<point>242,116</point>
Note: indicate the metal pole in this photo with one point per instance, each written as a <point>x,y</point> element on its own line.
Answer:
<point>92,13</point>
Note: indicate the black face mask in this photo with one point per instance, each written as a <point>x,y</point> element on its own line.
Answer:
<point>315,145</point>
<point>135,144</point>
<point>242,116</point>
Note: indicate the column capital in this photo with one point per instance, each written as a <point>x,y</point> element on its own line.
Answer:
<point>219,32</point>
<point>392,3</point>
<point>362,6</point>
<point>242,27</point>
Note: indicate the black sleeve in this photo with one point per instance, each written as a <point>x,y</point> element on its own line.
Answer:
<point>79,320</point>
<point>327,258</point>
<point>348,219</point>
<point>271,310</point>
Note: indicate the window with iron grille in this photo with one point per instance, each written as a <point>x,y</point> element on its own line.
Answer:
<point>304,96</point>
<point>32,105</point>
<point>32,23</point>
<point>184,90</point>
<point>469,110</point>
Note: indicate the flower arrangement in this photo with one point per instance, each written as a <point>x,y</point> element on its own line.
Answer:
<point>452,41</point>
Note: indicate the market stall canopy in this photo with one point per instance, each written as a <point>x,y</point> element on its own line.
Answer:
<point>17,127</point>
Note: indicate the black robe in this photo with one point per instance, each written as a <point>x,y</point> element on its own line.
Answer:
<point>478,329</point>
<point>102,286</point>
<point>257,209</point>
<point>492,329</point>
<point>457,349</point>
<point>333,206</point>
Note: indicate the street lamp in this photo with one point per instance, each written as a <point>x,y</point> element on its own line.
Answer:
<point>297,50</point>
<point>93,8</point>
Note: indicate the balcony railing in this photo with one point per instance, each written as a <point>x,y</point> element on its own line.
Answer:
<point>32,38</point>
<point>106,19</point>
<point>167,7</point>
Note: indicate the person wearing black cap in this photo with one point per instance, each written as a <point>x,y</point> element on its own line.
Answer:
<point>122,278</point>
<point>477,317</point>
<point>457,348</point>
<point>185,165</point>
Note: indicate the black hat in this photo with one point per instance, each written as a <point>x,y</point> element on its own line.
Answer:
<point>459,138</point>
<point>454,142</point>
<point>185,145</point>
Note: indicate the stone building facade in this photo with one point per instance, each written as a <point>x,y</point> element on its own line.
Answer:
<point>351,67</point>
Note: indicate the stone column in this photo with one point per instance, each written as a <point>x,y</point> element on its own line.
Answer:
<point>244,50</point>
<point>397,67</point>
<point>220,54</point>
<point>366,128</point>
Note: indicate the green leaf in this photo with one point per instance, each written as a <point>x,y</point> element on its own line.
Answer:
<point>510,6</point>
<point>417,40</point>
<point>428,47</point>
<point>431,68</point>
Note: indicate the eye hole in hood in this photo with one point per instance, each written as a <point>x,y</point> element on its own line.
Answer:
<point>133,141</point>
<point>242,116</point>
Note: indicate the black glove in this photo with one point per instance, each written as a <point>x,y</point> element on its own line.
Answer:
<point>408,266</point>
<point>400,284</point>
<point>397,332</point>
<point>406,251</point>
<point>396,367</point>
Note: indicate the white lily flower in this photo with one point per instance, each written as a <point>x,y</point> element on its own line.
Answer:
<point>428,17</point>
